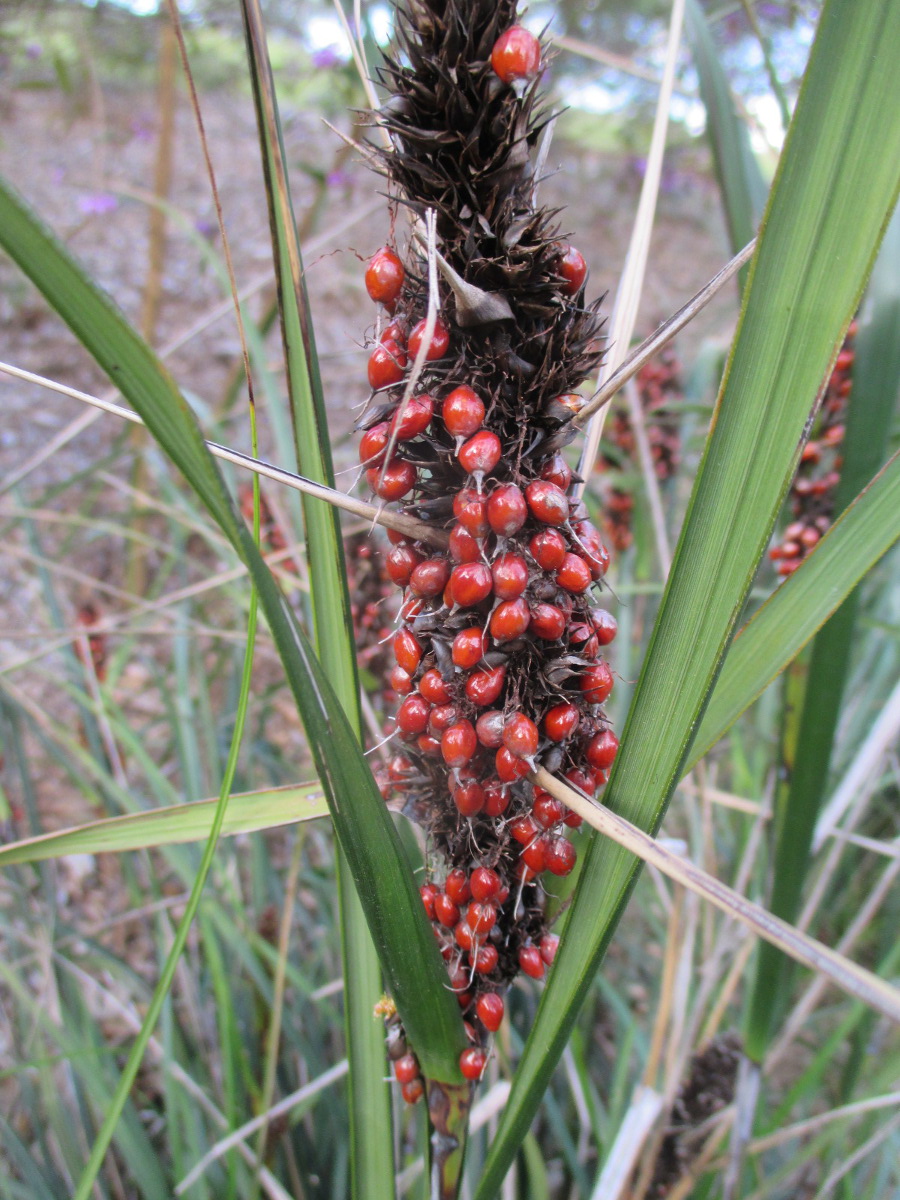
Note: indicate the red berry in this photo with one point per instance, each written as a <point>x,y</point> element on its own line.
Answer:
<point>531,962</point>
<point>463,412</point>
<point>393,481</point>
<point>395,537</point>
<point>384,276</point>
<point>459,743</point>
<point>574,575</point>
<point>373,443</point>
<point>485,884</point>
<point>581,780</point>
<point>485,959</point>
<point>507,511</point>
<point>489,728</point>
<point>456,885</point>
<point>395,331</point>
<point>572,819</point>
<point>549,946</point>
<point>470,509</point>
<point>594,553</point>
<point>560,856</point>
<point>470,583</point>
<point>601,750</point>
<point>433,688</point>
<point>547,621</point>
<point>572,267</point>
<point>445,910</point>
<point>400,681</point>
<point>548,811</point>
<point>481,453</point>
<point>468,647</point>
<point>535,855</point>
<point>509,620</point>
<point>406,1068</point>
<point>442,717</point>
<point>605,625</point>
<point>412,715</point>
<point>597,683</point>
<point>496,802</point>
<point>465,939</point>
<point>428,745</point>
<point>387,362</point>
<point>429,578</point>
<point>472,1062</point>
<point>413,1092</point>
<point>437,347</point>
<point>561,722</point>
<point>557,470</point>
<point>548,502</point>
<point>548,549</point>
<point>469,798</point>
<point>524,873</point>
<point>520,736</point>
<point>415,420</point>
<point>463,547</point>
<point>523,829</point>
<point>490,1007</point>
<point>407,650</point>
<point>516,55</point>
<point>484,686</point>
<point>481,918</point>
<point>510,575</point>
<point>428,892</point>
<point>400,563</point>
<point>509,766</point>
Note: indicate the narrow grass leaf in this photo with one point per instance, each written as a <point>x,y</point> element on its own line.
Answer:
<point>396,917</point>
<point>835,189</point>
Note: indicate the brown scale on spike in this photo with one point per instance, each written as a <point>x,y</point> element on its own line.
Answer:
<point>500,638</point>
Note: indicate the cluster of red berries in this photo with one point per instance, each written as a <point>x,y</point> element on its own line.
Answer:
<point>659,387</point>
<point>812,492</point>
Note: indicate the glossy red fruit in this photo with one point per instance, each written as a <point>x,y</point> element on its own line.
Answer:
<point>509,620</point>
<point>496,802</point>
<point>572,819</point>
<point>470,509</point>
<point>547,621</point>
<point>456,885</point>
<point>442,716</point>
<point>485,959</point>
<point>463,547</point>
<point>548,549</point>
<point>373,444</point>
<point>400,563</point>
<point>489,728</point>
<point>395,537</point>
<point>601,750</point>
<point>535,855</point>
<point>412,715</point>
<point>407,650</point>
<point>548,502</point>
<point>470,583</point>
<point>561,721</point>
<point>429,746</point>
<point>483,687</point>
<point>510,575</point>
<point>400,681</point>
<point>433,688</point>
<point>605,625</point>
<point>459,743</point>
<point>523,829</point>
<point>507,511</point>
<point>415,420</point>
<point>582,780</point>
<point>597,683</point>
<point>387,362</point>
<point>485,884</point>
<point>395,331</point>
<point>595,554</point>
<point>406,1069</point>
<point>394,481</point>
<point>572,267</point>
<point>413,1092</point>
<point>437,347</point>
<point>463,412</point>
<point>445,910</point>
<point>428,892</point>
<point>509,766</point>
<point>549,946</point>
<point>399,768</point>
<point>524,873</point>
<point>531,962</point>
<point>516,55</point>
<point>481,917</point>
<point>468,647</point>
<point>472,1063</point>
<point>557,470</point>
<point>469,798</point>
<point>560,856</point>
<point>384,276</point>
<point>489,1008</point>
<point>465,939</point>
<point>429,578</point>
<point>481,453</point>
<point>574,575</point>
<point>520,735</point>
<point>548,811</point>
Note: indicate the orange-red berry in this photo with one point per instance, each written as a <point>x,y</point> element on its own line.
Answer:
<point>373,444</point>
<point>507,510</point>
<point>406,1069</point>
<point>463,412</point>
<point>601,750</point>
<point>548,549</point>
<point>468,647</point>
<point>560,856</point>
<point>384,276</point>
<point>415,420</point>
<point>429,578</point>
<point>437,347</point>
<point>481,453</point>
<point>574,575</point>
<point>573,269</point>
<point>597,683</point>
<point>561,721</point>
<point>510,575</point>
<point>459,743</point>
<point>433,688</point>
<point>489,728</point>
<point>549,946</point>
<point>605,625</point>
<point>463,547</point>
<point>387,362</point>
<point>547,621</point>
<point>413,1092</point>
<point>483,687</point>
<point>548,502</point>
<point>509,620</point>
<point>516,55</point>
<point>393,481</point>
<point>470,583</point>
<point>484,959</point>
<point>407,650</point>
<point>445,910</point>
<point>456,885</point>
<point>485,884</point>
<point>531,962</point>
<point>481,917</point>
<point>520,736</point>
<point>509,766</point>
<point>470,509</point>
<point>412,716</point>
<point>489,1008</point>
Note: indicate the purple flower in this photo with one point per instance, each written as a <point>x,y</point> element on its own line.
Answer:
<point>338,179</point>
<point>142,129</point>
<point>326,58</point>
<point>97,204</point>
